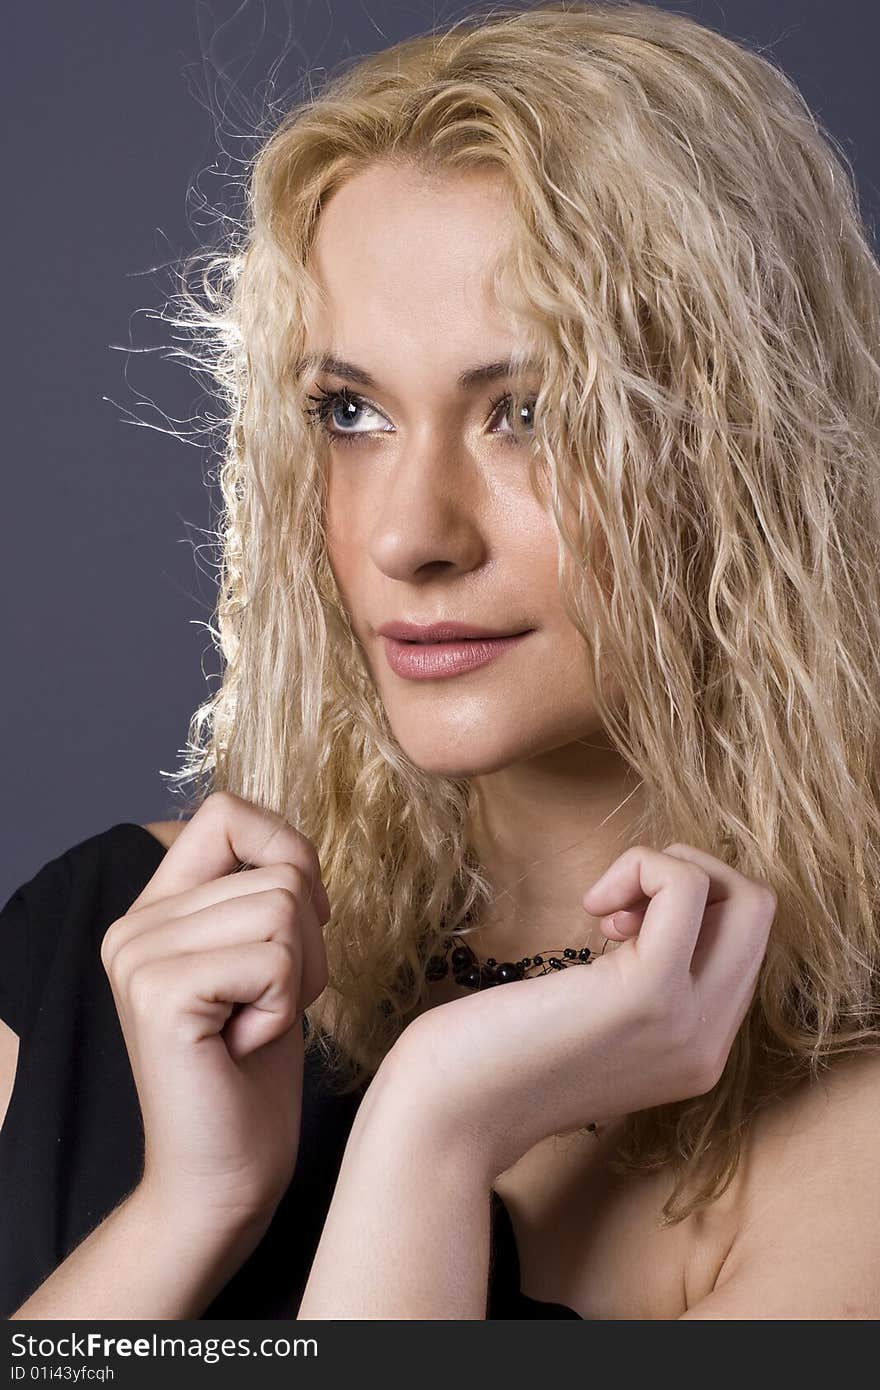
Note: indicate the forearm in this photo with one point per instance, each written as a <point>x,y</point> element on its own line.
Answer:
<point>407,1235</point>
<point>142,1262</point>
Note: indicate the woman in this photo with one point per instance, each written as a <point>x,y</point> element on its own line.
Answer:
<point>560,326</point>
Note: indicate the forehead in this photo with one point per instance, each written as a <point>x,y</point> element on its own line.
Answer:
<point>406,257</point>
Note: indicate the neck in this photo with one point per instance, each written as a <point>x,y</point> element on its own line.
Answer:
<point>544,830</point>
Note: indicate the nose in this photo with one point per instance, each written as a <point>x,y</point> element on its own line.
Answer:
<point>429,514</point>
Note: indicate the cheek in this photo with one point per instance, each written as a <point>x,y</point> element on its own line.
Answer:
<point>341,530</point>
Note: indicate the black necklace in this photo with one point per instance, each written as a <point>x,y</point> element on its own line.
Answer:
<point>473,973</point>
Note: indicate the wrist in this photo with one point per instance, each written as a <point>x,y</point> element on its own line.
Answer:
<point>217,1226</point>
<point>402,1111</point>
<point>407,1231</point>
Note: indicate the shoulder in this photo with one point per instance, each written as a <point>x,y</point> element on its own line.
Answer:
<point>165,831</point>
<point>806,1234</point>
<point>823,1116</point>
<point>52,924</point>
<point>812,1145</point>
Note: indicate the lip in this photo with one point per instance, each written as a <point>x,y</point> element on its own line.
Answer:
<point>440,632</point>
<point>439,660</point>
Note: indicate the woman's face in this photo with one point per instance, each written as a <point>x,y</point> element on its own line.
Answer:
<point>430,515</point>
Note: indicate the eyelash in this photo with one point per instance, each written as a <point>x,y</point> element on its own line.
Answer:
<point>326,403</point>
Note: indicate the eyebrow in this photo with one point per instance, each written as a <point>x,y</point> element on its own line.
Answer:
<point>465,381</point>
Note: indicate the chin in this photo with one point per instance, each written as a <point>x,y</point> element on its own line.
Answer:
<point>448,768</point>
<point>479,738</point>
<point>447,761</point>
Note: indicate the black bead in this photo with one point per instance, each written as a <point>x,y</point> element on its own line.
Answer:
<point>508,971</point>
<point>537,960</point>
<point>556,963</point>
<point>584,953</point>
<point>462,958</point>
<point>570,952</point>
<point>487,975</point>
<point>491,961</point>
<point>470,978</point>
<point>436,968</point>
<point>526,962</point>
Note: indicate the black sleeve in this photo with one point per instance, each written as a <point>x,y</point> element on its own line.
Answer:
<point>71,1143</point>
<point>29,925</point>
<point>55,921</point>
<point>13,926</point>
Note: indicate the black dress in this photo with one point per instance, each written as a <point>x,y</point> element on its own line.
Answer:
<point>71,1146</point>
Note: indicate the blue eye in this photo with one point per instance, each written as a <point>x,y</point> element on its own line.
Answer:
<point>325,406</point>
<point>323,414</point>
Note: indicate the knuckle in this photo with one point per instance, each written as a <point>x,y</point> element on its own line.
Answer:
<point>109,944</point>
<point>685,864</point>
<point>282,902</point>
<point>121,962</point>
<point>311,854</point>
<point>286,957</point>
<point>698,875</point>
<point>279,825</point>
<point>290,877</point>
<point>290,1012</point>
<point>144,989</point>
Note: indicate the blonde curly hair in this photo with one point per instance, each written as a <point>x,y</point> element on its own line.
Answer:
<point>692,272</point>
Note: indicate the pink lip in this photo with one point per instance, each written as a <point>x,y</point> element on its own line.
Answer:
<point>437,660</point>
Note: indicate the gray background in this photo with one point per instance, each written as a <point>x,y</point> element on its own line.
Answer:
<point>119,122</point>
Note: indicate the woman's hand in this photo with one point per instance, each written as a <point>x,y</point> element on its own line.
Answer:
<point>648,1023</point>
<point>211,969</point>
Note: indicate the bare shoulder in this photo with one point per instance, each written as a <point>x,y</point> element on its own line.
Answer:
<point>165,831</point>
<point>839,1105</point>
<point>810,1187</point>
